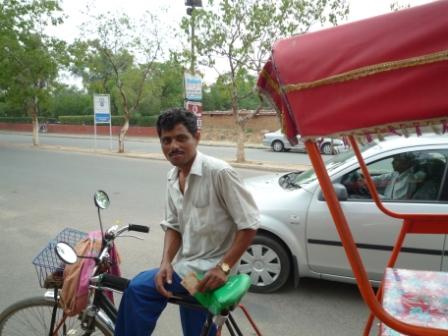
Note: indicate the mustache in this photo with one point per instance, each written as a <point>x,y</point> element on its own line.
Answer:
<point>175,152</point>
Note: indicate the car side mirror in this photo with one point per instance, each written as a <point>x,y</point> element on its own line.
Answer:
<point>341,192</point>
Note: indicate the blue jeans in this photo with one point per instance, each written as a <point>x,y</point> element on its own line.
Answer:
<point>141,306</point>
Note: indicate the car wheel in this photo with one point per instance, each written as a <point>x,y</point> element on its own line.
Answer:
<point>326,148</point>
<point>267,263</point>
<point>278,146</point>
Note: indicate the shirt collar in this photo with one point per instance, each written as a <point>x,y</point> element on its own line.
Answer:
<point>405,173</point>
<point>196,168</point>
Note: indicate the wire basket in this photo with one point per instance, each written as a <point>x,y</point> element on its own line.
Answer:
<point>48,266</point>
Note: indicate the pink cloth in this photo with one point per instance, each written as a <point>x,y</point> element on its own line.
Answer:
<point>416,297</point>
<point>89,264</point>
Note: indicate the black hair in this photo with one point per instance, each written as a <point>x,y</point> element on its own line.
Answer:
<point>168,119</point>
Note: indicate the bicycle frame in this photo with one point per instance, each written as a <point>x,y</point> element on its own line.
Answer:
<point>102,307</point>
<point>106,312</point>
<point>100,303</point>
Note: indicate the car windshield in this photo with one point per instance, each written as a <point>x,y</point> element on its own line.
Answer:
<point>308,176</point>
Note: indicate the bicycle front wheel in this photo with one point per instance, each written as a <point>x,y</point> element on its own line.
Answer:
<point>33,317</point>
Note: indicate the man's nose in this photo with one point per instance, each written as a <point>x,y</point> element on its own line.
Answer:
<point>174,144</point>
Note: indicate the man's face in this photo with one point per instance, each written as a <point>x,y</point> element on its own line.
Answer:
<point>179,145</point>
<point>400,164</point>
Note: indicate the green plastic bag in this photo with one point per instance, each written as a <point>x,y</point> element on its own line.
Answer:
<point>224,297</point>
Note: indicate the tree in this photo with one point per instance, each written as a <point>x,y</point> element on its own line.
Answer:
<point>29,58</point>
<point>69,101</point>
<point>165,87</point>
<point>217,96</point>
<point>242,33</point>
<point>396,6</point>
<point>119,61</point>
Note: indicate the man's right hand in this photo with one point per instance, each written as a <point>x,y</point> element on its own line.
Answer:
<point>164,276</point>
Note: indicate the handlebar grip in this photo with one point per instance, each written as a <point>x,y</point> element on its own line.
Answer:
<point>114,282</point>
<point>139,228</point>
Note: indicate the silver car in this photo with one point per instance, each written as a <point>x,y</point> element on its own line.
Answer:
<point>297,237</point>
<point>279,143</point>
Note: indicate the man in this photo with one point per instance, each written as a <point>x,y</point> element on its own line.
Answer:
<point>210,220</point>
<point>401,184</point>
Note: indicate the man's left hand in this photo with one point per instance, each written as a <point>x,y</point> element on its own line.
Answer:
<point>213,279</point>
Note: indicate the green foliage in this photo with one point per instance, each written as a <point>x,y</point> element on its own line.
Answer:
<point>16,120</point>
<point>70,101</point>
<point>88,120</point>
<point>116,120</point>
<point>147,121</point>
<point>217,97</point>
<point>165,88</point>
<point>10,110</point>
<point>76,120</point>
<point>29,59</point>
<point>119,59</point>
<point>396,6</point>
<point>242,33</point>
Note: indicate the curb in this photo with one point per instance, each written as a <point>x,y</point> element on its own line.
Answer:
<point>137,139</point>
<point>255,165</point>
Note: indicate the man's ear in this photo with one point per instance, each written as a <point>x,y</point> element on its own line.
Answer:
<point>197,136</point>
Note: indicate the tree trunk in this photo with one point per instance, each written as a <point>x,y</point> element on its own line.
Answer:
<point>240,153</point>
<point>122,135</point>
<point>32,111</point>
<point>35,131</point>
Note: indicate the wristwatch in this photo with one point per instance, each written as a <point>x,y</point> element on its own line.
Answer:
<point>224,267</point>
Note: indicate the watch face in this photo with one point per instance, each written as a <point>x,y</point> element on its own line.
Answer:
<point>225,267</point>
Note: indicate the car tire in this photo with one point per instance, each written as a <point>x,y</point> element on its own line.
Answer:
<point>267,263</point>
<point>277,146</point>
<point>326,148</point>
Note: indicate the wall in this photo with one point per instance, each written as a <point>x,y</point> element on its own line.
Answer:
<point>221,126</point>
<point>82,129</point>
<point>218,126</point>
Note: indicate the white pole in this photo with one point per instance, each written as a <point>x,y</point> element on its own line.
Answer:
<point>94,128</point>
<point>94,124</point>
<point>110,132</point>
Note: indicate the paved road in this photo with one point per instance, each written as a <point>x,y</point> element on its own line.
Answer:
<point>42,192</point>
<point>151,145</point>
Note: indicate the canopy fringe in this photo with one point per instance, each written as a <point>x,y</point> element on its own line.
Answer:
<point>369,70</point>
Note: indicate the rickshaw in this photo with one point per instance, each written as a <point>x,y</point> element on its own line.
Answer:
<point>362,80</point>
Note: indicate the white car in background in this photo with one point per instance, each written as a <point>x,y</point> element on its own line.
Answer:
<point>297,237</point>
<point>279,143</point>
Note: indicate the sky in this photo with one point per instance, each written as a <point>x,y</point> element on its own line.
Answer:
<point>175,10</point>
<point>76,10</point>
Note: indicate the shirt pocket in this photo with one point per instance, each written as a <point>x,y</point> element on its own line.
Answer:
<point>201,209</point>
<point>201,197</point>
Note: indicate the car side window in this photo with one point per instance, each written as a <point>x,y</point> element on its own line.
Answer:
<point>412,176</point>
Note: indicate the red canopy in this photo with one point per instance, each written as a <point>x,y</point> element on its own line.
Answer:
<point>384,73</point>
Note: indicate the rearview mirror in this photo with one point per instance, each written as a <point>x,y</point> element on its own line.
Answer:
<point>101,199</point>
<point>341,192</point>
<point>66,253</point>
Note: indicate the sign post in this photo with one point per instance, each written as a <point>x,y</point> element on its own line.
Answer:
<point>101,111</point>
<point>193,96</point>
<point>196,108</point>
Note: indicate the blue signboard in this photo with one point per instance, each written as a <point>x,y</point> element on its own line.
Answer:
<point>101,108</point>
<point>193,87</point>
<point>102,118</point>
